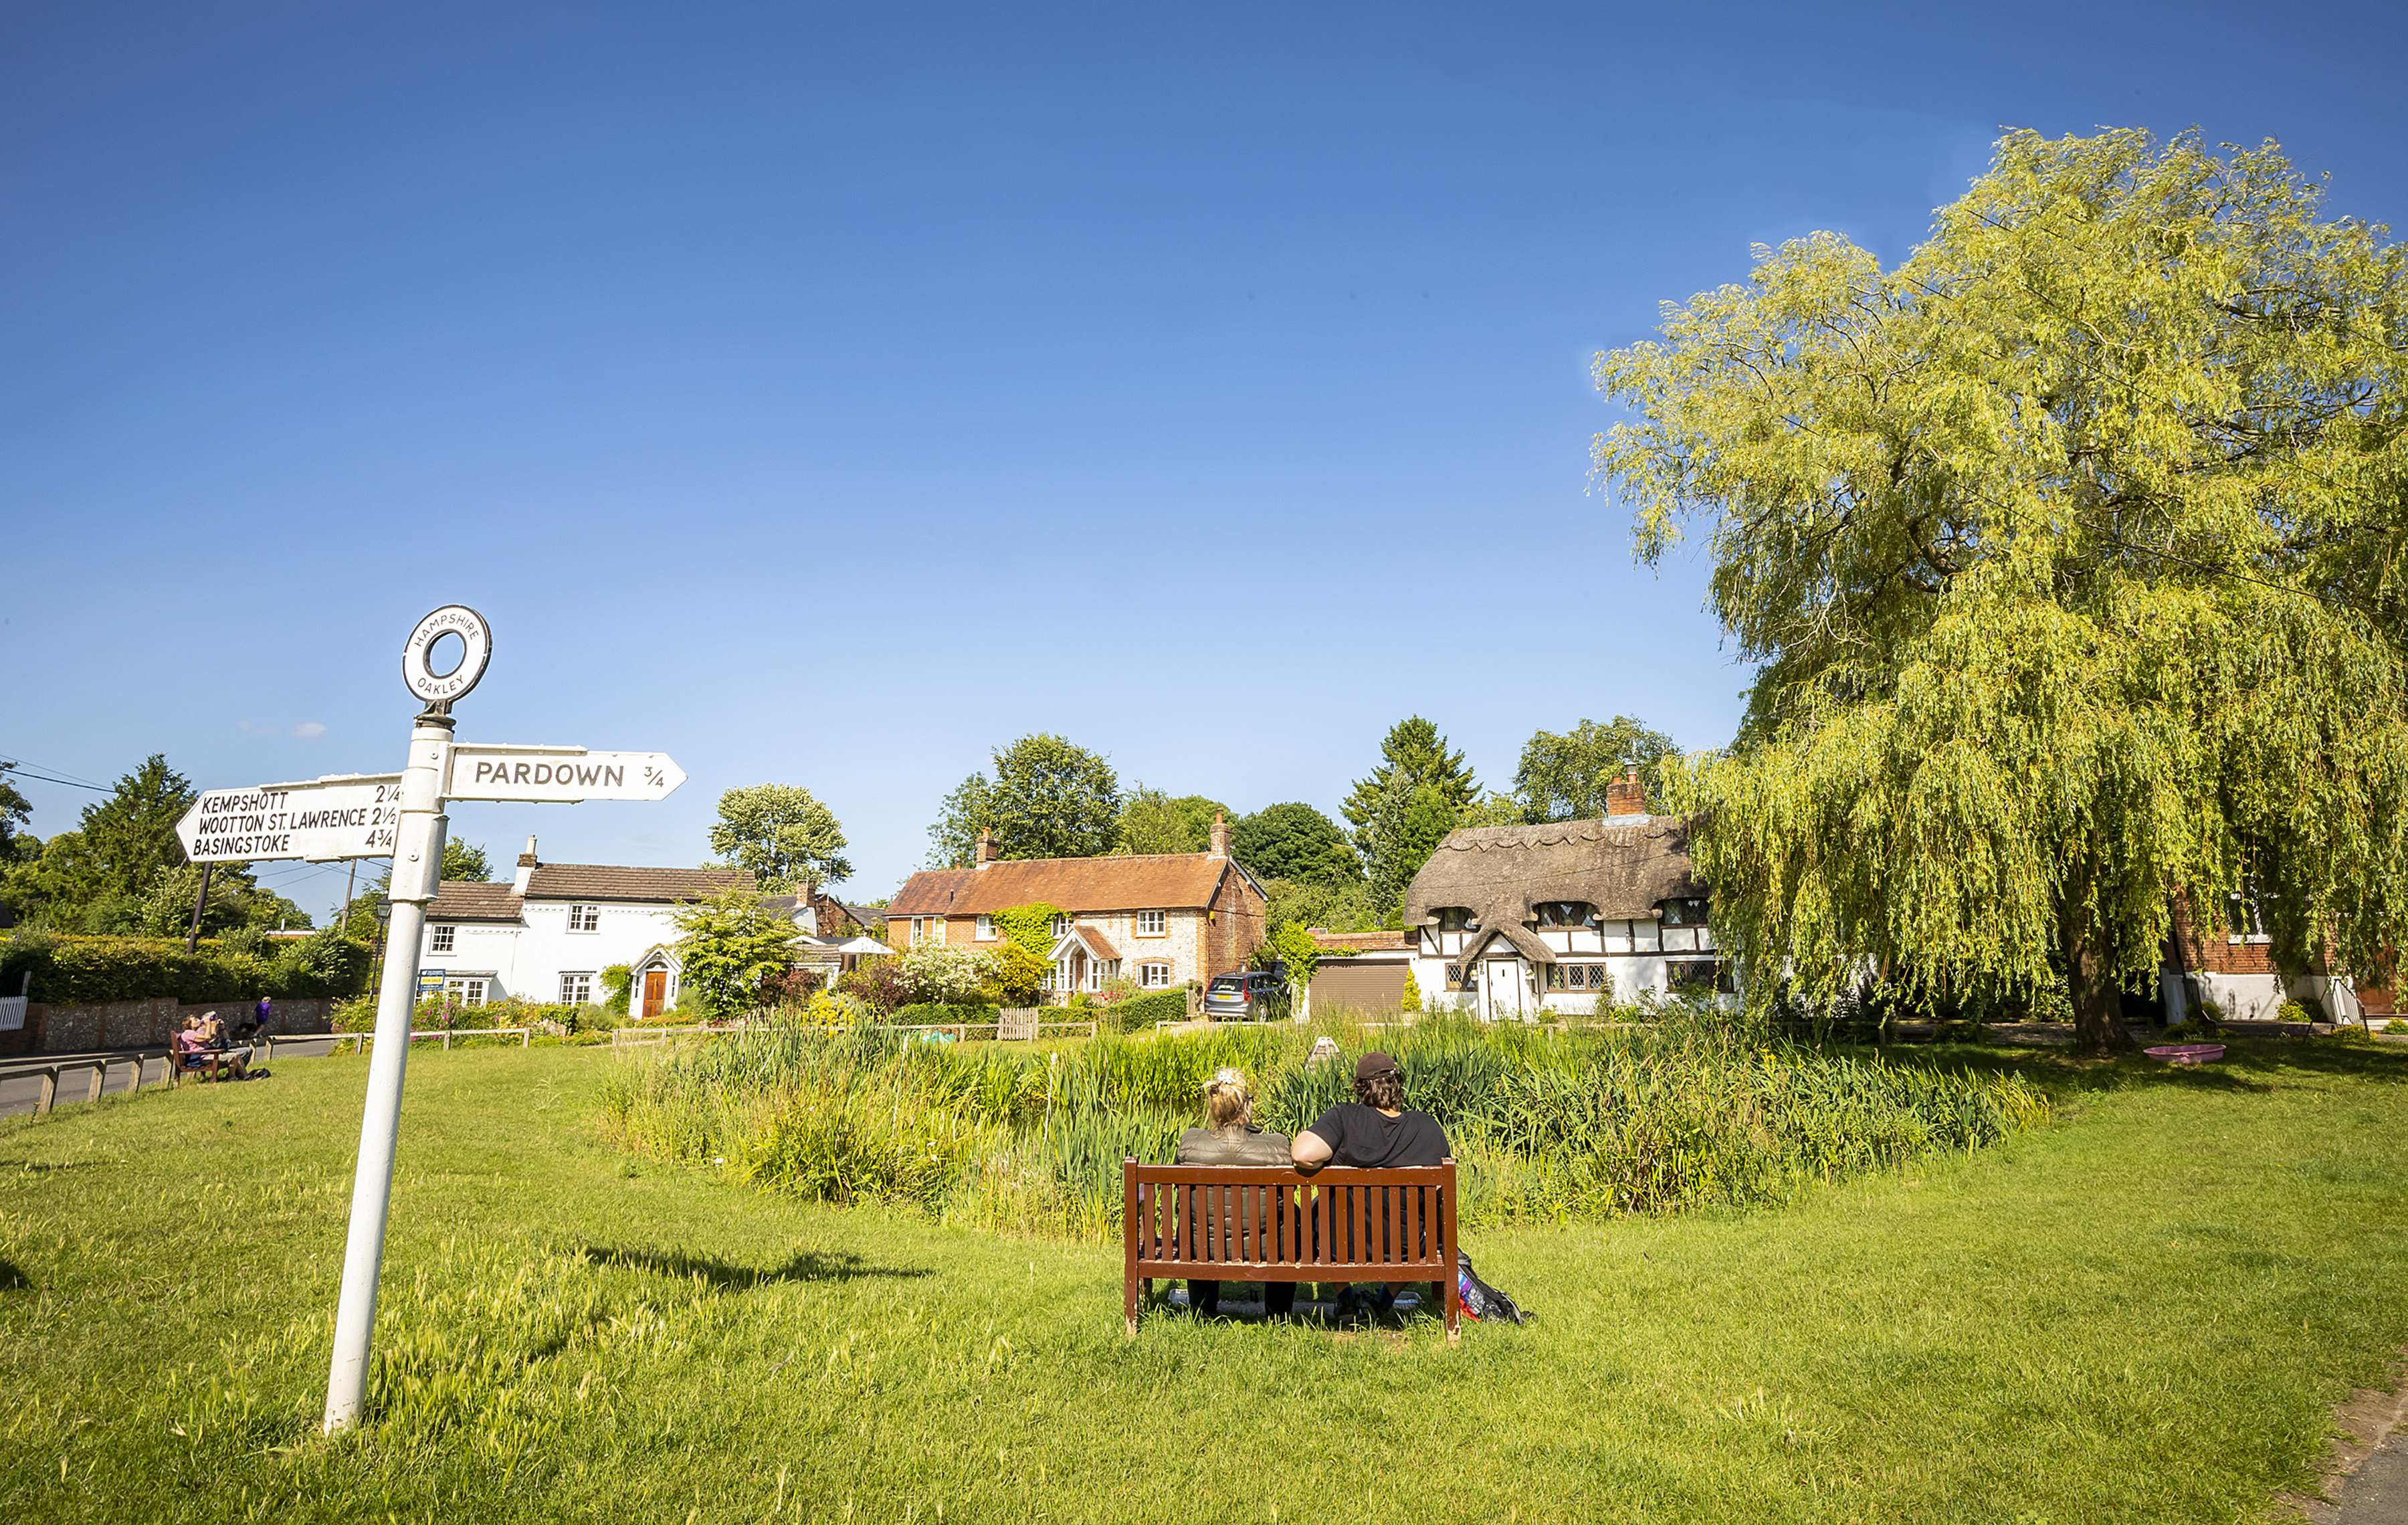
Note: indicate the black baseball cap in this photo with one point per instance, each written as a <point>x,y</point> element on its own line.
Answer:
<point>1374,1063</point>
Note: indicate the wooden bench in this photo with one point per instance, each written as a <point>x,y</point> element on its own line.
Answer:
<point>1274,1223</point>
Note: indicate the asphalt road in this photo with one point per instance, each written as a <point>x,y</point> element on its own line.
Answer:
<point>20,1077</point>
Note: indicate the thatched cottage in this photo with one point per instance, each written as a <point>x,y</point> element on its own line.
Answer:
<point>1508,920</point>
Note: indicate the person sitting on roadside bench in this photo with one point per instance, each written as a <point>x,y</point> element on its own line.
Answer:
<point>1230,1137</point>
<point>1373,1132</point>
<point>186,1052</point>
<point>227,1051</point>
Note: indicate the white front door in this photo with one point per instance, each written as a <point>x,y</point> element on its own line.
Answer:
<point>1501,980</point>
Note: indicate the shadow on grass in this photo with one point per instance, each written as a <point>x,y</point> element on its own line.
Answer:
<point>2251,1064</point>
<point>13,1279</point>
<point>809,1266</point>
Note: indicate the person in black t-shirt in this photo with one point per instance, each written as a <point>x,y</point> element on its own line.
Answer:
<point>1373,1132</point>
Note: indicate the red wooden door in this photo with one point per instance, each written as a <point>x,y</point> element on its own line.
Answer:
<point>656,992</point>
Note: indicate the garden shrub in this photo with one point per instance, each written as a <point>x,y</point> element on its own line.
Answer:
<point>878,983</point>
<point>2395,1026</point>
<point>1139,1014</point>
<point>75,970</point>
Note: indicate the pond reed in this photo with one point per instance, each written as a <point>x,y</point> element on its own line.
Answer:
<point>1548,1125</point>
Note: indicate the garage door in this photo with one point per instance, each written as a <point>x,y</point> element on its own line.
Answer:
<point>1350,981</point>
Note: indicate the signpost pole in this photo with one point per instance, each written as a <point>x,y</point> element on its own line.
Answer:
<point>417,870</point>
<point>200,902</point>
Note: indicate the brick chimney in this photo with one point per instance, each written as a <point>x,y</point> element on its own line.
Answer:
<point>527,866</point>
<point>1220,835</point>
<point>985,852</point>
<point>1627,795</point>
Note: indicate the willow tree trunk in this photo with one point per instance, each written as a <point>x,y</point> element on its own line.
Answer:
<point>2098,1003</point>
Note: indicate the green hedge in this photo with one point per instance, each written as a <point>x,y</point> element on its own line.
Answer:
<point>930,1014</point>
<point>73,971</point>
<point>1139,1014</point>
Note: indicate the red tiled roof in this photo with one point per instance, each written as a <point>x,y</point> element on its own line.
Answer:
<point>1098,947</point>
<point>1160,882</point>
<point>1358,942</point>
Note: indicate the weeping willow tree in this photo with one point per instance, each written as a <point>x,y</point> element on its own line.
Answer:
<point>2068,555</point>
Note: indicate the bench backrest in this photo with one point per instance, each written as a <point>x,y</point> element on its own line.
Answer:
<point>1182,1220</point>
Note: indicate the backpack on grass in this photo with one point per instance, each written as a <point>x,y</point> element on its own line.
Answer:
<point>1479,1299</point>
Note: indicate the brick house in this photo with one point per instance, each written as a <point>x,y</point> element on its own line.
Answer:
<point>1159,920</point>
<point>2229,960</point>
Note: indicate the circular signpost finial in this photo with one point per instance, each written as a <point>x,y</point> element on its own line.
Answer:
<point>476,639</point>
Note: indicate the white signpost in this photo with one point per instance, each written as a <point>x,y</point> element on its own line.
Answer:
<point>342,815</point>
<point>559,775</point>
<point>290,821</point>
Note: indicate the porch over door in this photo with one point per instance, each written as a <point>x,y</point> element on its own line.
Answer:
<point>1501,980</point>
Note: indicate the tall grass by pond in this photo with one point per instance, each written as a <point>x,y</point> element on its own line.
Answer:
<point>1548,1126</point>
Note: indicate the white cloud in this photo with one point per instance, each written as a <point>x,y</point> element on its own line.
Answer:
<point>309,727</point>
<point>306,729</point>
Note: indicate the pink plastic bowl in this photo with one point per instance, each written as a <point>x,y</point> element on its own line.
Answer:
<point>2187,1053</point>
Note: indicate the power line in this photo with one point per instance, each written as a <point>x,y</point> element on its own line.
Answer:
<point>79,782</point>
<point>17,770</point>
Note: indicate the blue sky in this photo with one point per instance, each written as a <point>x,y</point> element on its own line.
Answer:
<point>829,395</point>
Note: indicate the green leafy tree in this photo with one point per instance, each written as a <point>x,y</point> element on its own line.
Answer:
<point>1564,777</point>
<point>1292,946</point>
<point>1493,809</point>
<point>1411,999</point>
<point>96,875</point>
<point>1153,822</point>
<point>1337,908</point>
<point>787,837</point>
<point>728,945</point>
<point>1404,830</point>
<point>1019,975</point>
<point>462,860</point>
<point>1414,757</point>
<point>2068,552</point>
<point>1294,842</point>
<point>15,811</point>
<point>235,899</point>
<point>952,841</point>
<point>1049,799</point>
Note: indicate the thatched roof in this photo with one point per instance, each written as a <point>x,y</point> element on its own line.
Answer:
<point>1623,865</point>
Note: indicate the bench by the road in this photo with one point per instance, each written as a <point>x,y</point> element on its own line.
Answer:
<point>1274,1223</point>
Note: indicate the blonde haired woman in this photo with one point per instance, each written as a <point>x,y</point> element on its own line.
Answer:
<point>1230,1137</point>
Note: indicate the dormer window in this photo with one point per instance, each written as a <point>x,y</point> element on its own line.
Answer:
<point>1687,912</point>
<point>1567,913</point>
<point>1455,918</point>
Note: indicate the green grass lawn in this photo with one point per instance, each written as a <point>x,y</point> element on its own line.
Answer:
<point>2143,1312</point>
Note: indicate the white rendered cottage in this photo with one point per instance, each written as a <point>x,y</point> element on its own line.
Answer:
<point>547,934</point>
<point>1511,920</point>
